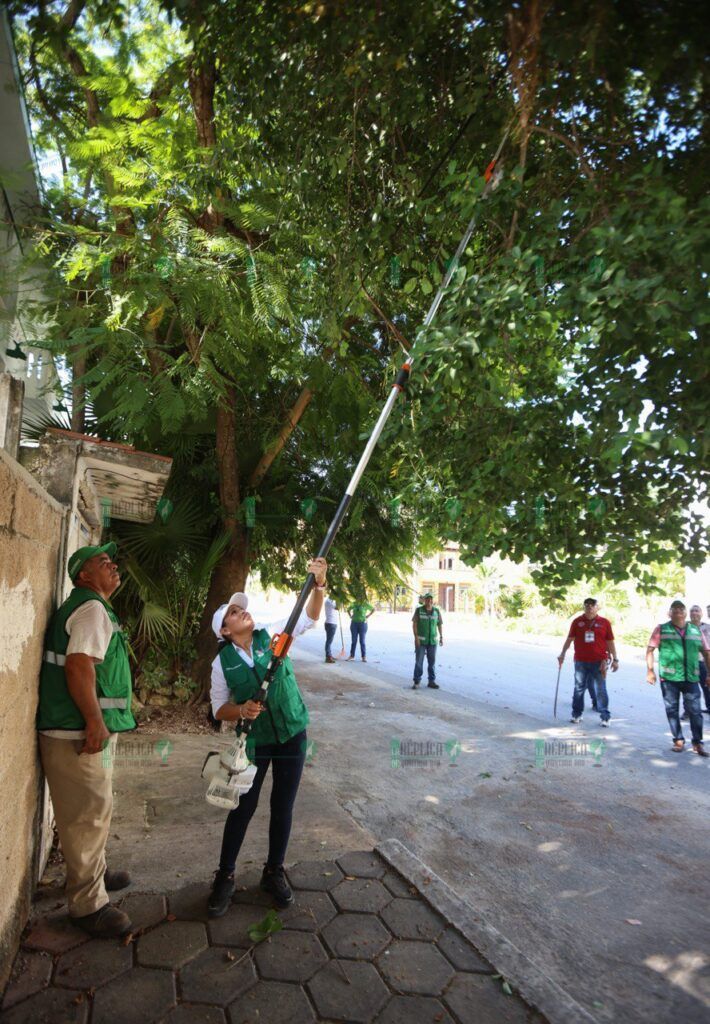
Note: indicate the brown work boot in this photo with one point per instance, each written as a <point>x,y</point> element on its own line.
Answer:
<point>114,880</point>
<point>678,745</point>
<point>700,750</point>
<point>107,923</point>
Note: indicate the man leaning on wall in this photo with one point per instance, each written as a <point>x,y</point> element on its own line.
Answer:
<point>84,700</point>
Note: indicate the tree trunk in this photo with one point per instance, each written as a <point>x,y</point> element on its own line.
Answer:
<point>78,396</point>
<point>231,572</point>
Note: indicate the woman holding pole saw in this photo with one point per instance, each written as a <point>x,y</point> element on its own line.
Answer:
<point>277,733</point>
<point>272,670</point>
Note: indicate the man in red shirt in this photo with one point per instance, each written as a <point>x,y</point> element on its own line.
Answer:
<point>593,640</point>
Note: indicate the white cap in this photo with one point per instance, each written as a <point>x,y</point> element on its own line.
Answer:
<point>241,600</point>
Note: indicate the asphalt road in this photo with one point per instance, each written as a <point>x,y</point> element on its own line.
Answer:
<point>519,674</point>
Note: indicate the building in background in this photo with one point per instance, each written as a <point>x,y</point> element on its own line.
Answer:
<point>453,584</point>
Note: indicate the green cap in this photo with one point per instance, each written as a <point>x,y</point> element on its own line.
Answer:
<point>84,554</point>
<point>426,594</point>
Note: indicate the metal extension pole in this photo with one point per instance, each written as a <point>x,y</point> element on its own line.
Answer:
<point>281,643</point>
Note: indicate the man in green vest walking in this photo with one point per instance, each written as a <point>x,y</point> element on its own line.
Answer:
<point>427,621</point>
<point>84,700</point>
<point>679,643</point>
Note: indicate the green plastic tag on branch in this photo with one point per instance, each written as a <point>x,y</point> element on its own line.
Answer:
<point>106,272</point>
<point>105,511</point>
<point>394,511</point>
<point>539,511</point>
<point>164,267</point>
<point>251,270</point>
<point>308,267</point>
<point>308,507</point>
<point>165,509</point>
<point>250,512</point>
<point>395,272</point>
<point>453,509</point>
<point>597,507</point>
<point>539,267</point>
<point>596,268</point>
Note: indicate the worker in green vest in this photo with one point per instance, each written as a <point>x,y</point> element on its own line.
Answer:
<point>84,700</point>
<point>427,623</point>
<point>360,611</point>
<point>679,644</point>
<point>277,737</point>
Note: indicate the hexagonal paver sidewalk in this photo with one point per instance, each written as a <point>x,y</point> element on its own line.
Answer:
<point>360,944</point>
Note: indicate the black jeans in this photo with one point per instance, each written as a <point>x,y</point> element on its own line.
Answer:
<point>287,760</point>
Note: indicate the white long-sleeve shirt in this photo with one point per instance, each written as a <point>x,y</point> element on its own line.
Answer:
<point>219,691</point>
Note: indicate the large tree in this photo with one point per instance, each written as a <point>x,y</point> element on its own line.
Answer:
<point>259,200</point>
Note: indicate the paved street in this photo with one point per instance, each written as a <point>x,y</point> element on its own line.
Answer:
<point>590,856</point>
<point>520,675</point>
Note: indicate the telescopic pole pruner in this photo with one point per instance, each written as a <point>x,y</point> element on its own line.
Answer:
<point>281,642</point>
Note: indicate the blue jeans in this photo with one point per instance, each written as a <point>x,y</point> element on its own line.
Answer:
<point>358,631</point>
<point>588,676</point>
<point>330,629</point>
<point>691,703</point>
<point>419,652</point>
<point>287,760</point>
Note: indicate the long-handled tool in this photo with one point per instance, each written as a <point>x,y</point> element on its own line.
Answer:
<point>557,690</point>
<point>231,772</point>
<point>342,638</point>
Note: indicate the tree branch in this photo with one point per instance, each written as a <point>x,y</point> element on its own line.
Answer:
<point>386,320</point>
<point>292,418</point>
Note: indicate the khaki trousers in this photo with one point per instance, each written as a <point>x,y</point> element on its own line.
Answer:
<point>82,797</point>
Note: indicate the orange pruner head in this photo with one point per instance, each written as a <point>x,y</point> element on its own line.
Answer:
<point>280,643</point>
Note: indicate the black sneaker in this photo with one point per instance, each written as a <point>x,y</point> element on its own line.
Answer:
<point>415,686</point>
<point>222,889</point>
<point>273,881</point>
<point>433,686</point>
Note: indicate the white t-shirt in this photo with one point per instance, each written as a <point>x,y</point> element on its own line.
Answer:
<point>90,631</point>
<point>331,612</point>
<point>219,691</point>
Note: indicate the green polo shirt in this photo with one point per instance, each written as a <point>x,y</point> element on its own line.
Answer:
<point>359,611</point>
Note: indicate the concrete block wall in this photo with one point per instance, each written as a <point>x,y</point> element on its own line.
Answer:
<point>31,550</point>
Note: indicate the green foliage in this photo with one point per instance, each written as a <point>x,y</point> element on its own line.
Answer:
<point>166,568</point>
<point>269,925</point>
<point>233,240</point>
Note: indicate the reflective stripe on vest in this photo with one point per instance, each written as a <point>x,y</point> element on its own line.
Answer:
<point>113,702</point>
<point>54,659</point>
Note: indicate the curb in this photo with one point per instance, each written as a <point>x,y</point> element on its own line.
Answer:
<point>539,991</point>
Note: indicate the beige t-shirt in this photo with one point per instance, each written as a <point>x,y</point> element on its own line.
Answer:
<point>90,631</point>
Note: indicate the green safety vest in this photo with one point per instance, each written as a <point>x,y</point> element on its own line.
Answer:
<point>56,708</point>
<point>428,624</point>
<point>677,655</point>
<point>285,713</point>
